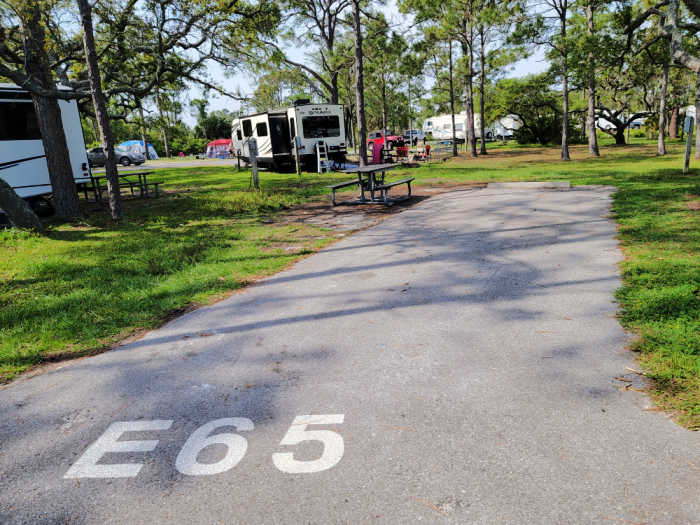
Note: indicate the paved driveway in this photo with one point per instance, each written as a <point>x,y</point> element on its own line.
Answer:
<point>454,364</point>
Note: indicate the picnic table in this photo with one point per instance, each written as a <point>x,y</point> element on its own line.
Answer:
<point>371,179</point>
<point>132,179</point>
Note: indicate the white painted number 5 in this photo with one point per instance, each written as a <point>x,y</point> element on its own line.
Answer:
<point>186,461</point>
<point>333,446</point>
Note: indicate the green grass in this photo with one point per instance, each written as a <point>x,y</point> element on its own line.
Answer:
<point>85,286</point>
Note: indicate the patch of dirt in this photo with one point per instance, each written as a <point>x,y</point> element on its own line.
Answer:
<point>693,205</point>
<point>352,217</point>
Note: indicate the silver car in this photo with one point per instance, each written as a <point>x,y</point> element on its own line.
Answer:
<point>96,157</point>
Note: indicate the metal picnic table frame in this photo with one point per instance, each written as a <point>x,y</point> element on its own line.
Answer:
<point>142,184</point>
<point>371,179</point>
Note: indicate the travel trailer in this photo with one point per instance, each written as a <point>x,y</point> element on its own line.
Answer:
<point>441,127</point>
<point>276,130</point>
<point>22,158</point>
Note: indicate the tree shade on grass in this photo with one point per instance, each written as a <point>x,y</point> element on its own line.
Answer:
<point>86,285</point>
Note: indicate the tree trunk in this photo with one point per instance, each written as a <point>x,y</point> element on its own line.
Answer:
<point>697,117</point>
<point>334,87</point>
<point>142,126</point>
<point>673,123</point>
<point>590,119</point>
<point>661,144</point>
<point>467,48</point>
<point>98,100</point>
<point>620,136</point>
<point>163,132</point>
<point>359,85</point>
<point>48,114</point>
<point>482,90</point>
<point>17,209</point>
<point>452,104</point>
<point>565,92</point>
<point>384,110</point>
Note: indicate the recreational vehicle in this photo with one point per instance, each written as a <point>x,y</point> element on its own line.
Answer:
<point>22,158</point>
<point>275,132</point>
<point>441,127</point>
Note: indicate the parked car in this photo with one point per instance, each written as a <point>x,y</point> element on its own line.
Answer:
<point>412,136</point>
<point>388,142</point>
<point>96,157</point>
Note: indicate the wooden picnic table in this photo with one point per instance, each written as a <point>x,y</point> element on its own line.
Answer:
<point>125,179</point>
<point>370,179</point>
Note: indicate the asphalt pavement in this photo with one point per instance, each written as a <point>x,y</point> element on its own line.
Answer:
<point>457,363</point>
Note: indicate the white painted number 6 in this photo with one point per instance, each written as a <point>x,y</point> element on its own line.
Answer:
<point>333,446</point>
<point>186,461</point>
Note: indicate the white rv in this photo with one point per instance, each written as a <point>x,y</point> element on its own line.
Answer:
<point>441,127</point>
<point>22,157</point>
<point>276,130</point>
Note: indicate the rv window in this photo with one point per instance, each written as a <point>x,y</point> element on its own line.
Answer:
<point>18,121</point>
<point>261,129</point>
<point>446,126</point>
<point>292,128</point>
<point>459,127</point>
<point>321,126</point>
<point>238,134</point>
<point>247,128</point>
<point>428,124</point>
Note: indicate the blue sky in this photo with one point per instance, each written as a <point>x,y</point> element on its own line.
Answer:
<point>246,83</point>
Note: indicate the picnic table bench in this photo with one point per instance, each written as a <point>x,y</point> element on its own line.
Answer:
<point>371,179</point>
<point>97,186</point>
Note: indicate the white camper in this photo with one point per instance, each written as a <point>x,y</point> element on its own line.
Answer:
<point>276,130</point>
<point>441,127</point>
<point>503,128</point>
<point>22,158</point>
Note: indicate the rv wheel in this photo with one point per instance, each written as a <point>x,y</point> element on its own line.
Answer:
<point>42,206</point>
<point>124,161</point>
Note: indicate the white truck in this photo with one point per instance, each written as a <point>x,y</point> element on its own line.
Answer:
<point>22,157</point>
<point>275,132</point>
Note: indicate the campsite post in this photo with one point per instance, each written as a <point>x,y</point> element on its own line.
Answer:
<point>688,143</point>
<point>253,154</point>
<point>297,140</point>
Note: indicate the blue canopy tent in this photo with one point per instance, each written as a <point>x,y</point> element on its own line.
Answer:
<point>137,145</point>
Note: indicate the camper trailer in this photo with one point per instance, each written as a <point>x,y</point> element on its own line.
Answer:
<point>275,132</point>
<point>441,127</point>
<point>22,158</point>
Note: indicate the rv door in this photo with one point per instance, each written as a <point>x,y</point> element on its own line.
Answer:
<point>279,135</point>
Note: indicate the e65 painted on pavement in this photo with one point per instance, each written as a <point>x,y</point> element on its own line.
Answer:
<point>87,465</point>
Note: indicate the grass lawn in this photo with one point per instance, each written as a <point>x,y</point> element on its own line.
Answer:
<point>87,285</point>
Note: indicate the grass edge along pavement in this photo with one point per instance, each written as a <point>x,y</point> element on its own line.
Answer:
<point>90,284</point>
<point>656,208</point>
<point>657,229</point>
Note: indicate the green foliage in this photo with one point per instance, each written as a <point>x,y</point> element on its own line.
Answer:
<point>215,125</point>
<point>536,105</point>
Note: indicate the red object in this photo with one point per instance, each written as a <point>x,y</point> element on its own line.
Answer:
<point>402,151</point>
<point>376,152</point>
<point>377,137</point>
<point>220,142</point>
<point>181,154</point>
<point>427,149</point>
<point>219,148</point>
